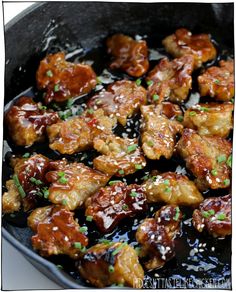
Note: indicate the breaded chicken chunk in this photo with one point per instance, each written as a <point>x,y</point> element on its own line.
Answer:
<point>121,156</point>
<point>117,263</point>
<point>211,119</point>
<point>122,99</point>
<point>172,188</point>
<point>113,203</point>
<point>27,120</point>
<point>72,183</point>
<point>183,42</point>
<point>11,200</point>
<point>208,158</point>
<point>214,215</point>
<point>156,236</point>
<point>56,232</point>
<point>77,134</point>
<point>218,82</point>
<point>158,132</point>
<point>170,80</point>
<point>61,80</point>
<point>128,54</point>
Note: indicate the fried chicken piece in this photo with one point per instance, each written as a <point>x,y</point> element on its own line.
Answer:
<point>77,133</point>
<point>211,119</point>
<point>182,43</point>
<point>158,133</point>
<point>72,183</point>
<point>111,263</point>
<point>214,215</point>
<point>29,176</point>
<point>120,156</point>
<point>113,203</point>
<point>56,232</point>
<point>128,54</point>
<point>61,80</point>
<point>11,200</point>
<point>170,80</point>
<point>156,236</point>
<point>27,120</point>
<point>172,188</point>
<point>121,99</point>
<point>208,158</point>
<point>218,82</point>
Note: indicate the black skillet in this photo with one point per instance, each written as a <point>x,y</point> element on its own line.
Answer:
<point>49,27</point>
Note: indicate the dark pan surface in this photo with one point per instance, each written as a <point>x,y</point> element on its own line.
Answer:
<point>210,266</point>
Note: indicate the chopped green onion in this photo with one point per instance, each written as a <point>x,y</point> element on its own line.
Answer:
<point>138,82</point>
<point>121,171</point>
<point>64,202</point>
<point>89,218</point>
<point>227,182</point>
<point>60,266</point>
<point>65,114</point>
<point>18,186</point>
<point>63,180</point>
<point>138,250</point>
<point>214,172</point>
<point>56,87</point>
<point>221,217</point>
<point>99,81</point>
<point>217,81</point>
<point>112,182</point>
<point>26,155</point>
<point>229,161</point>
<point>138,166</point>
<point>35,181</point>
<point>177,214</point>
<point>204,109</point>
<point>118,249</point>
<point>133,194</point>
<point>155,97</point>
<point>145,177</point>
<point>221,158</point>
<point>111,269</point>
<point>69,103</point>
<point>132,147</point>
<point>45,192</point>
<point>168,189</point>
<point>208,213</point>
<point>42,107</point>
<point>105,241</point>
<point>150,143</point>
<point>83,229</point>
<point>90,111</point>
<point>232,100</point>
<point>180,118</point>
<point>125,207</point>
<point>192,113</point>
<point>79,246</point>
<point>49,73</point>
<point>166,182</point>
<point>61,173</point>
<point>149,82</point>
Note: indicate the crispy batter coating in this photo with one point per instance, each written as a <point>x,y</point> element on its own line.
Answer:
<point>111,263</point>
<point>113,203</point>
<point>120,156</point>
<point>31,175</point>
<point>158,132</point>
<point>27,121</point>
<point>121,99</point>
<point>128,54</point>
<point>156,236</point>
<point>172,188</point>
<point>56,232</point>
<point>218,82</point>
<point>171,80</point>
<point>207,158</point>
<point>211,119</point>
<point>11,200</point>
<point>182,43</point>
<point>72,183</point>
<point>77,133</point>
<point>61,80</point>
<point>214,215</point>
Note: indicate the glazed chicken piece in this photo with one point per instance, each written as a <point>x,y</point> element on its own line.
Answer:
<point>170,80</point>
<point>128,54</point>
<point>72,183</point>
<point>214,215</point>
<point>158,132</point>
<point>121,99</point>
<point>211,119</point>
<point>120,156</point>
<point>77,133</point>
<point>208,158</point>
<point>218,82</point>
<point>11,200</point>
<point>182,43</point>
<point>172,188</point>
<point>111,263</point>
<point>56,232</point>
<point>113,203</point>
<point>27,120</point>
<point>61,80</point>
<point>26,186</point>
<point>156,236</point>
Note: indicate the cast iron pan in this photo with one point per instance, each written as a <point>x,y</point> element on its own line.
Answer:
<point>80,28</point>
